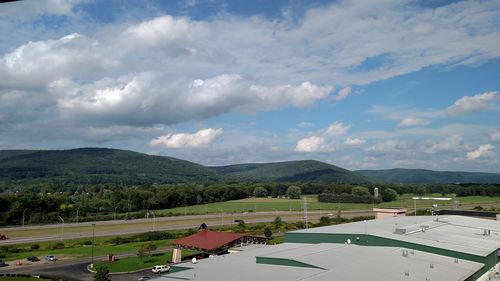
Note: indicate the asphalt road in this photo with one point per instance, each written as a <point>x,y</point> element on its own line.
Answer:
<point>162,223</point>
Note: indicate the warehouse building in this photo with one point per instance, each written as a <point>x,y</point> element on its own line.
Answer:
<point>447,248</point>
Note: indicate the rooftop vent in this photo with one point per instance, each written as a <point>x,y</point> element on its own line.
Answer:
<point>487,232</point>
<point>405,253</point>
<point>400,231</point>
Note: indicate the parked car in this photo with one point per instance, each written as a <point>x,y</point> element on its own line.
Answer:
<point>33,259</point>
<point>144,278</point>
<point>160,268</point>
<point>2,264</point>
<point>51,258</point>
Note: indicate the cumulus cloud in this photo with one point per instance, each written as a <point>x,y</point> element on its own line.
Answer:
<point>354,141</point>
<point>451,143</point>
<point>202,138</point>
<point>147,98</point>
<point>413,122</point>
<point>336,129</point>
<point>313,144</point>
<point>343,93</point>
<point>483,151</point>
<point>323,141</point>
<point>469,104</point>
<point>388,147</point>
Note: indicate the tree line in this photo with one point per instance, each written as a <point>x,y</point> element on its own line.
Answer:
<point>99,202</point>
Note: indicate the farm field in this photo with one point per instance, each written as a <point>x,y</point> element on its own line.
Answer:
<point>291,205</point>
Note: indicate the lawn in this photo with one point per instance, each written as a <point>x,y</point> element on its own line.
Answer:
<point>136,263</point>
<point>75,249</point>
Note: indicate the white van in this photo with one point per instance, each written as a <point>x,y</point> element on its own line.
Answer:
<point>160,268</point>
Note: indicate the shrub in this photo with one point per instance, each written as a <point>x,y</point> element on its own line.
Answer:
<point>119,240</point>
<point>87,242</point>
<point>35,247</point>
<point>14,250</point>
<point>57,246</point>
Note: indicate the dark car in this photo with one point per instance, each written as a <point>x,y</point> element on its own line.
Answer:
<point>2,264</point>
<point>33,259</point>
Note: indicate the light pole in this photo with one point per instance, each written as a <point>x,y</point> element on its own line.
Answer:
<point>77,210</point>
<point>154,220</point>
<point>115,213</point>
<point>93,239</point>
<point>23,215</point>
<point>222,216</point>
<point>62,228</point>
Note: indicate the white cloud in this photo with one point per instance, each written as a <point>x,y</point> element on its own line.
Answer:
<point>336,129</point>
<point>313,144</point>
<point>322,141</point>
<point>413,122</point>
<point>485,150</point>
<point>451,143</point>
<point>304,124</point>
<point>388,147</point>
<point>469,104</point>
<point>148,99</point>
<point>202,138</point>
<point>354,141</point>
<point>342,94</point>
<point>495,136</point>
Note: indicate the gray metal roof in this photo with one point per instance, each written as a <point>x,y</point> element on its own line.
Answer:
<point>457,233</point>
<point>339,262</point>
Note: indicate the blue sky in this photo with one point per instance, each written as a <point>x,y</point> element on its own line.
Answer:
<point>358,84</point>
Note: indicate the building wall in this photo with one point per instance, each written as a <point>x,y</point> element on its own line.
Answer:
<point>370,240</point>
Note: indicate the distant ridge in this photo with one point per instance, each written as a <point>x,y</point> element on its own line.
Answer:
<point>291,171</point>
<point>428,176</point>
<point>98,165</point>
<point>128,168</point>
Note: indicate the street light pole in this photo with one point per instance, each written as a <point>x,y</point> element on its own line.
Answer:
<point>23,215</point>
<point>154,220</point>
<point>62,228</point>
<point>77,210</point>
<point>93,239</point>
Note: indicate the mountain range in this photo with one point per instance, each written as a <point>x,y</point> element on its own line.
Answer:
<point>104,165</point>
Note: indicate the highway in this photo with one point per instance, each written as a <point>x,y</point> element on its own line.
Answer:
<point>55,232</point>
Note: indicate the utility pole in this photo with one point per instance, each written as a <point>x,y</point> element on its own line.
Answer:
<point>77,210</point>
<point>93,239</point>
<point>305,212</point>
<point>62,228</point>
<point>23,215</point>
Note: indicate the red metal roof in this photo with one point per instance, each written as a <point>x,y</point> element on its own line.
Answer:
<point>208,240</point>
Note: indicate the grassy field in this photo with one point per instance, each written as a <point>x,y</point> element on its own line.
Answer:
<point>136,263</point>
<point>76,249</point>
<point>282,204</point>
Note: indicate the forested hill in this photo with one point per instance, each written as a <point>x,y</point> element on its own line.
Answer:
<point>291,171</point>
<point>98,165</point>
<point>428,176</point>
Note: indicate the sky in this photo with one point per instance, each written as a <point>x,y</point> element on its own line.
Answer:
<point>358,84</point>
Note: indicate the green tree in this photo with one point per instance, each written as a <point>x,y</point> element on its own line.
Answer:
<point>241,225</point>
<point>293,192</point>
<point>102,274</point>
<point>141,252</point>
<point>420,190</point>
<point>360,191</point>
<point>150,247</point>
<point>278,222</point>
<point>260,191</point>
<point>268,232</point>
<point>389,195</point>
